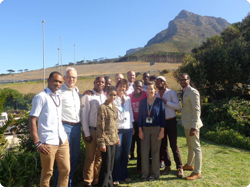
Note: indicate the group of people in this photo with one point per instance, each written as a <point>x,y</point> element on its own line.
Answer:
<point>112,119</point>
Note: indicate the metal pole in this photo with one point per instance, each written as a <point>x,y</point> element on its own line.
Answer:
<point>74,53</point>
<point>58,57</point>
<point>61,54</point>
<point>43,21</point>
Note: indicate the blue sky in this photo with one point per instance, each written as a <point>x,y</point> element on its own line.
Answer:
<point>98,28</point>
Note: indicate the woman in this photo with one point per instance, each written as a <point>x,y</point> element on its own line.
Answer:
<point>107,137</point>
<point>125,127</point>
<point>151,123</point>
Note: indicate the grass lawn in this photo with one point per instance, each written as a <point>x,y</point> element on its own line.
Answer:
<point>222,166</point>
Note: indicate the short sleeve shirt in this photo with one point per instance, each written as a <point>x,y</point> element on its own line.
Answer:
<point>48,108</point>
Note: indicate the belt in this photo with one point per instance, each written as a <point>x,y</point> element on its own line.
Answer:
<point>70,123</point>
<point>92,128</point>
<point>170,118</point>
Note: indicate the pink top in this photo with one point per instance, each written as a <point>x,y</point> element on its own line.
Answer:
<point>135,104</point>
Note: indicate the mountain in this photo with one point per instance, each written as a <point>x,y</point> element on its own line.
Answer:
<point>133,50</point>
<point>185,32</point>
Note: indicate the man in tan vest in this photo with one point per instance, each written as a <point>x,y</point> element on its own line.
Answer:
<point>190,119</point>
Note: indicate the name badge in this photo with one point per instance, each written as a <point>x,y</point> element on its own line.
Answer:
<point>149,120</point>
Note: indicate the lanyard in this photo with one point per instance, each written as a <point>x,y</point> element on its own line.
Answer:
<point>149,111</point>
<point>57,105</point>
<point>122,104</point>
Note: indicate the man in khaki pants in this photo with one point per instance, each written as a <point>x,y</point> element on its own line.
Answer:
<point>89,110</point>
<point>50,138</point>
<point>190,119</point>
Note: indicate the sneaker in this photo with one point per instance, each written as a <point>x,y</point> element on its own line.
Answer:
<point>116,183</point>
<point>180,173</point>
<point>187,167</point>
<point>127,180</point>
<point>193,176</point>
<point>166,170</point>
<point>162,164</point>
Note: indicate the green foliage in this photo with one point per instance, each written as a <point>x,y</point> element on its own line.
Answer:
<point>228,137</point>
<point>20,168</point>
<point>227,122</point>
<point>15,100</point>
<point>222,63</point>
<point>165,71</point>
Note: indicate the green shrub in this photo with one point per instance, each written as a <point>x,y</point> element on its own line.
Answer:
<point>165,71</point>
<point>20,168</point>
<point>227,122</point>
<point>228,137</point>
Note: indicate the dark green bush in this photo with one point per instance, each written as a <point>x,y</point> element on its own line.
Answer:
<point>227,122</point>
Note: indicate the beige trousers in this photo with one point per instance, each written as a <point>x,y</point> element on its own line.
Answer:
<point>60,153</point>
<point>194,150</point>
<point>93,160</point>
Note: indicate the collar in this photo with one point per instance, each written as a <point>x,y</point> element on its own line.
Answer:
<point>130,83</point>
<point>64,86</point>
<point>107,104</point>
<point>95,93</point>
<point>185,89</point>
<point>48,91</point>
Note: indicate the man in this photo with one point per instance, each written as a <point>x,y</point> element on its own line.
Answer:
<point>71,117</point>
<point>118,77</point>
<point>89,109</point>
<point>108,83</point>
<point>131,79</point>
<point>135,98</point>
<point>190,119</point>
<point>172,104</point>
<point>50,138</point>
<point>145,78</point>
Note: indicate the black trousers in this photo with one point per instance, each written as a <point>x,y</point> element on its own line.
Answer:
<point>105,176</point>
<point>170,133</point>
<point>138,143</point>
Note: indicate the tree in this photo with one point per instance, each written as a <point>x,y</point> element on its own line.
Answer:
<point>20,70</point>
<point>221,65</point>
<point>26,70</point>
<point>11,71</point>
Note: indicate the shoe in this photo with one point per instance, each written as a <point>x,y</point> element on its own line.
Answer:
<point>116,183</point>
<point>127,180</point>
<point>166,170</point>
<point>151,178</point>
<point>180,173</point>
<point>162,164</point>
<point>187,167</point>
<point>193,176</point>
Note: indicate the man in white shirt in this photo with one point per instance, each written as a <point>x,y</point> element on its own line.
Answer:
<point>89,109</point>
<point>131,78</point>
<point>172,104</point>
<point>118,77</point>
<point>50,138</point>
<point>69,94</point>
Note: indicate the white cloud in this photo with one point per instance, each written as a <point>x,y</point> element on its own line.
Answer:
<point>0,3</point>
<point>247,1</point>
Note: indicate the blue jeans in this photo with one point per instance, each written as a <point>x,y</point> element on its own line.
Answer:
<point>74,137</point>
<point>120,171</point>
